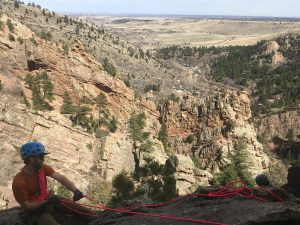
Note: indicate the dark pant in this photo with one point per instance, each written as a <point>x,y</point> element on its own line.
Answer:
<point>46,214</point>
<point>42,216</point>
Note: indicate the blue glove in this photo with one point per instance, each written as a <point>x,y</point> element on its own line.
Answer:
<point>77,195</point>
<point>54,199</point>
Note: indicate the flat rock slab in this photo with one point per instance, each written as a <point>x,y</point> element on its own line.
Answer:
<point>233,211</point>
<point>236,210</point>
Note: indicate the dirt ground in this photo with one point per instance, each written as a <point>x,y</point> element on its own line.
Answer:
<point>150,33</point>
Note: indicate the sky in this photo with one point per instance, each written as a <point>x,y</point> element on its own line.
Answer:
<point>276,8</point>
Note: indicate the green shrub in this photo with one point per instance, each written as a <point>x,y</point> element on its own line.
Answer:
<point>169,188</point>
<point>190,139</point>
<point>109,67</point>
<point>100,190</point>
<point>25,100</point>
<point>238,168</point>
<point>101,102</point>
<point>277,174</point>
<point>20,40</point>
<point>100,134</point>
<point>63,192</point>
<point>152,87</point>
<point>174,98</point>
<point>197,161</point>
<point>67,106</point>
<point>288,150</point>
<point>112,126</point>
<point>127,83</point>
<point>226,176</point>
<point>123,187</point>
<point>81,116</point>
<point>163,136</point>
<point>41,88</point>
<point>89,146</point>
<point>11,37</point>
<point>46,35</point>
<point>1,86</point>
<point>10,25</point>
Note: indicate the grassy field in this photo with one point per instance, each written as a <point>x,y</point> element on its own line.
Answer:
<point>149,33</point>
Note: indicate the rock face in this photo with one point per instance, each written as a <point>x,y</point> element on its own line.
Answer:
<point>208,205</point>
<point>219,211</point>
<point>278,125</point>
<point>183,168</point>
<point>208,130</point>
<point>277,57</point>
<point>214,124</point>
<point>74,152</point>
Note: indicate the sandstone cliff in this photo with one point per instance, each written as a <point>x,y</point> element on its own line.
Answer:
<point>213,126</point>
<point>278,125</point>
<point>75,152</point>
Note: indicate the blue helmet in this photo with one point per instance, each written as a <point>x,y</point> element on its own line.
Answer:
<point>262,180</point>
<point>32,149</point>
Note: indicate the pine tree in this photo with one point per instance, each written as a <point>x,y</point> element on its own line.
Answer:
<point>113,125</point>
<point>67,106</point>
<point>10,25</point>
<point>46,86</point>
<point>101,103</point>
<point>140,138</point>
<point>41,88</point>
<point>80,114</point>
<point>163,136</point>
<point>123,186</point>
<point>238,168</point>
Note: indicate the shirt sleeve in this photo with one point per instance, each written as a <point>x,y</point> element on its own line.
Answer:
<point>48,170</point>
<point>20,193</point>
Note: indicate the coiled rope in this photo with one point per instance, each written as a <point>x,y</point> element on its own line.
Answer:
<point>227,191</point>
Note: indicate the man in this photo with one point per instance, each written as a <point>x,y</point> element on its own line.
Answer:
<point>30,186</point>
<point>263,180</point>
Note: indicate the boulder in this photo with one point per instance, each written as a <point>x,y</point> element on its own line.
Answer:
<point>293,185</point>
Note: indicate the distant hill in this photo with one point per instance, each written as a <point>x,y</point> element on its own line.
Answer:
<point>269,69</point>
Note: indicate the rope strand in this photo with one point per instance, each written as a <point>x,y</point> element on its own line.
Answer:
<point>226,192</point>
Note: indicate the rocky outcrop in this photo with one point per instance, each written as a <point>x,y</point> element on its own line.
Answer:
<point>193,210</point>
<point>208,205</point>
<point>74,152</point>
<point>3,201</point>
<point>277,57</point>
<point>187,177</point>
<point>278,125</point>
<point>209,129</point>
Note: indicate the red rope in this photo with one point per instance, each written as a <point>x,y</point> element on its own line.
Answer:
<point>226,192</point>
<point>139,213</point>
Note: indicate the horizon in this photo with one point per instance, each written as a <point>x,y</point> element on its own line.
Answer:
<point>202,8</point>
<point>176,15</point>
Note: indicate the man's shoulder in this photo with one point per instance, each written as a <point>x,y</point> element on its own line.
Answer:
<point>46,167</point>
<point>19,178</point>
<point>48,170</point>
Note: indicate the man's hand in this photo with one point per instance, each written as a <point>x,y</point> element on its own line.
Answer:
<point>77,195</point>
<point>54,199</point>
